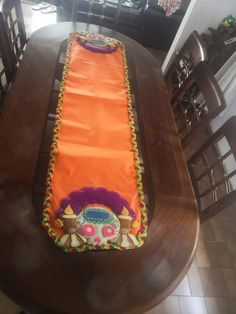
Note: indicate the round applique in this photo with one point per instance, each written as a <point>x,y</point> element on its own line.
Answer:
<point>88,230</point>
<point>108,231</point>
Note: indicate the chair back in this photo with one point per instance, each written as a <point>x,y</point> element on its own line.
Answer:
<point>213,171</point>
<point>12,16</point>
<point>192,53</point>
<point>104,13</point>
<point>7,67</point>
<point>199,100</point>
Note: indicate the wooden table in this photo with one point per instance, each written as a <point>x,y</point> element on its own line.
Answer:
<point>36,273</point>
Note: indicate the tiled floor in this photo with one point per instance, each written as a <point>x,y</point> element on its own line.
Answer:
<point>35,19</point>
<point>210,284</point>
<point>209,287</point>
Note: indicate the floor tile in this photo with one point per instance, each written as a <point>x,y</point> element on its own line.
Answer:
<point>230,279</point>
<point>232,249</point>
<point>183,288</point>
<point>213,282</point>
<point>194,263</point>
<point>229,214</point>
<point>228,230</point>
<point>195,282</point>
<point>202,256</point>
<point>220,305</point>
<point>206,232</point>
<point>217,232</point>
<point>159,309</point>
<point>192,305</point>
<point>219,255</point>
<point>172,305</point>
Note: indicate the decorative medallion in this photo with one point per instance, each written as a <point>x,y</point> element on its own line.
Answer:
<point>96,217</point>
<point>97,42</point>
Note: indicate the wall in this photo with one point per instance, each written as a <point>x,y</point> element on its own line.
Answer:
<point>200,15</point>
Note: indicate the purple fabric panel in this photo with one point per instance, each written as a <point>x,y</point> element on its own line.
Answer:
<point>90,195</point>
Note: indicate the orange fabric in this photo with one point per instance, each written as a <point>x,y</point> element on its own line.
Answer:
<point>94,141</point>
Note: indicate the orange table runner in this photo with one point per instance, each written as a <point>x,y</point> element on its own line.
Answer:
<point>94,196</point>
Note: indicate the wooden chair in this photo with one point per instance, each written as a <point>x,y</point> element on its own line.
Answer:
<point>199,100</point>
<point>104,13</point>
<point>7,67</point>
<point>13,21</point>
<point>12,42</point>
<point>192,53</point>
<point>213,171</point>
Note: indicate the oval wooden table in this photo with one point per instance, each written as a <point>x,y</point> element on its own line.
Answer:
<point>36,273</point>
